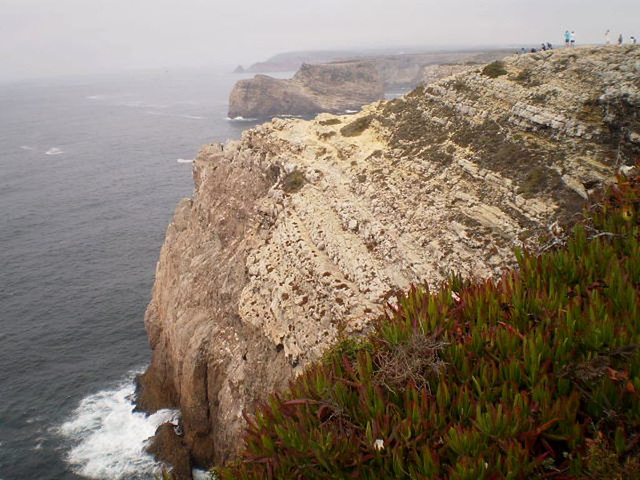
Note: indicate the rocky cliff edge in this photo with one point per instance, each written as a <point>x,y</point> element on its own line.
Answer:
<point>303,230</point>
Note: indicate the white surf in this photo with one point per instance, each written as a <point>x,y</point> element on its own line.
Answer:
<point>109,437</point>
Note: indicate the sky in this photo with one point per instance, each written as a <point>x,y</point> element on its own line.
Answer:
<point>40,38</point>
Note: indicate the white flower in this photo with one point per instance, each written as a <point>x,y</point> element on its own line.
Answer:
<point>378,444</point>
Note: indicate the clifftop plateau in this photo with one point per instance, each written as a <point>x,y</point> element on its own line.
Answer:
<point>302,230</point>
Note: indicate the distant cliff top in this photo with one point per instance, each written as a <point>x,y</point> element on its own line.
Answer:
<point>292,61</point>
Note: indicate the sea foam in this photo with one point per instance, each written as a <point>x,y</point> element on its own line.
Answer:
<point>185,160</point>
<point>110,438</point>
<point>53,151</point>
<point>241,119</point>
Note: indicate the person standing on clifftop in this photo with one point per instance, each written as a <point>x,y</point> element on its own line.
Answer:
<point>567,37</point>
<point>620,39</point>
<point>607,40</point>
<point>573,38</point>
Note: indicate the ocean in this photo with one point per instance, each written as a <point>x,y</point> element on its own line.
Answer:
<point>91,169</point>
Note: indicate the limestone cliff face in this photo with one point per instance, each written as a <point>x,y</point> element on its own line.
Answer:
<point>306,228</point>
<point>331,87</point>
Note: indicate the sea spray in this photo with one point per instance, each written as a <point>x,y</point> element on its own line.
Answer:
<point>109,437</point>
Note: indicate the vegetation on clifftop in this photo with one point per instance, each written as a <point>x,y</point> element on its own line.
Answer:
<point>536,375</point>
<point>495,69</point>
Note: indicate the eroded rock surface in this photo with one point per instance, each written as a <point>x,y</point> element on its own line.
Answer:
<point>304,229</point>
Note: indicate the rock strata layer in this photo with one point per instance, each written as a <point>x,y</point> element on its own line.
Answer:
<point>303,230</point>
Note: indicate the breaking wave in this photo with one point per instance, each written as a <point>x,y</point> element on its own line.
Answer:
<point>241,119</point>
<point>54,151</point>
<point>109,437</point>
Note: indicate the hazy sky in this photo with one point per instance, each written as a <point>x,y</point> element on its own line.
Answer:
<point>51,37</point>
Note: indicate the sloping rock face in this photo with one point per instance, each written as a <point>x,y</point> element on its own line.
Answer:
<point>332,87</point>
<point>301,231</point>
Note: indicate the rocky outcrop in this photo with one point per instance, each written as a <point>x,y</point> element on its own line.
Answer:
<point>345,85</point>
<point>168,445</point>
<point>303,230</point>
<point>331,87</point>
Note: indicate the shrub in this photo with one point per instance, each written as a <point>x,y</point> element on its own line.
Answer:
<point>293,181</point>
<point>460,86</point>
<point>535,375</point>
<point>533,181</point>
<point>326,135</point>
<point>356,127</point>
<point>494,69</point>
<point>330,121</point>
<point>526,78</point>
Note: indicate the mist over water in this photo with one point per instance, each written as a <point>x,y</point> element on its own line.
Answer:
<point>90,172</point>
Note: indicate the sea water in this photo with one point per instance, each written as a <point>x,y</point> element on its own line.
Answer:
<point>91,169</point>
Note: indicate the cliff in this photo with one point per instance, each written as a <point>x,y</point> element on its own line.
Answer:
<point>303,230</point>
<point>396,69</point>
<point>331,87</point>
<point>345,85</point>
